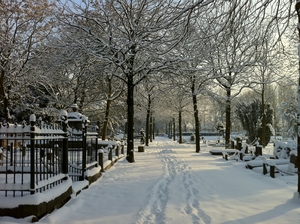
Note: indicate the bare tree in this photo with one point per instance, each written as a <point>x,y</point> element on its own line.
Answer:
<point>24,27</point>
<point>114,91</point>
<point>264,74</point>
<point>180,106</point>
<point>147,94</point>
<point>194,69</point>
<point>236,52</point>
<point>135,36</point>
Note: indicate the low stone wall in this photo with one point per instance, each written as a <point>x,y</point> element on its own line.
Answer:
<point>92,179</point>
<point>38,210</point>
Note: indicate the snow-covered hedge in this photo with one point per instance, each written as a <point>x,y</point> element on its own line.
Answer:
<point>284,149</point>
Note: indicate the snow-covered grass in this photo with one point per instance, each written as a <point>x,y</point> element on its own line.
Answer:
<point>170,183</point>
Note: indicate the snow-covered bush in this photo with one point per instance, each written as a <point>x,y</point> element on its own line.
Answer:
<point>283,150</point>
<point>288,113</point>
<point>250,116</point>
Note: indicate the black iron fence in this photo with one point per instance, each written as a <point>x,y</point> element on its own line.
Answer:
<point>31,159</point>
<point>38,156</point>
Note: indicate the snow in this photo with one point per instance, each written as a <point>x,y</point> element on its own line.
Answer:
<point>170,183</point>
<point>9,202</point>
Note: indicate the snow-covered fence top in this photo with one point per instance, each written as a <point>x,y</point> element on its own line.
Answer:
<point>22,131</point>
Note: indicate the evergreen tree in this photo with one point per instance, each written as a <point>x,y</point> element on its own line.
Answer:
<point>250,116</point>
<point>268,127</point>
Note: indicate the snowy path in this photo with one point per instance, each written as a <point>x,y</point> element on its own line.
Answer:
<point>163,200</point>
<point>171,184</point>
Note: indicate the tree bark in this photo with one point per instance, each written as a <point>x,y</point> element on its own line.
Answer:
<point>298,94</point>
<point>153,128</point>
<point>150,128</point>
<point>228,120</point>
<point>196,115</point>
<point>174,128</point>
<point>179,126</point>
<point>106,120</point>
<point>263,122</point>
<point>147,128</point>
<point>82,99</point>
<point>107,111</point>
<point>148,133</point>
<point>4,96</point>
<point>130,119</point>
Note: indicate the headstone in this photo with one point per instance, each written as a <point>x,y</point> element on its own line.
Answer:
<point>141,148</point>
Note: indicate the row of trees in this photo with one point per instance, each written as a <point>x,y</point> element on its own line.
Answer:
<point>115,56</point>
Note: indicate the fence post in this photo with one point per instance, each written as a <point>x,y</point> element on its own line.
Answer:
<point>272,171</point>
<point>100,159</point>
<point>64,118</point>
<point>258,150</point>
<point>265,171</point>
<point>122,147</point>
<point>96,147</point>
<point>117,150</point>
<point>293,160</point>
<point>32,141</point>
<point>239,144</point>
<point>241,156</point>
<point>232,144</point>
<point>110,153</point>
<point>84,135</point>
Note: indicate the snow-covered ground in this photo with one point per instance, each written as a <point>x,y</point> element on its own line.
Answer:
<point>170,183</point>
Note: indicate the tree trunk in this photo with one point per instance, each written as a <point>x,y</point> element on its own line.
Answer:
<point>130,120</point>
<point>263,122</point>
<point>150,128</point>
<point>153,127</point>
<point>196,115</point>
<point>76,91</point>
<point>148,133</point>
<point>6,105</point>
<point>4,96</point>
<point>228,120</point>
<point>167,129</point>
<point>179,126</point>
<point>107,111</point>
<point>297,6</point>
<point>174,128</point>
<point>106,120</point>
<point>82,99</point>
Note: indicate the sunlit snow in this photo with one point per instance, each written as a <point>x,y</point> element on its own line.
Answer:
<point>170,183</point>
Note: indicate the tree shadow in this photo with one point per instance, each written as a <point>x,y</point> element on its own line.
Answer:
<point>279,210</point>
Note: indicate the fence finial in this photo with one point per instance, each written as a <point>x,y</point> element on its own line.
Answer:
<point>63,116</point>
<point>32,118</point>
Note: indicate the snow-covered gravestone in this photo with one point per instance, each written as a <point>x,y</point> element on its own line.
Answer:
<point>141,147</point>
<point>75,118</point>
<point>293,165</point>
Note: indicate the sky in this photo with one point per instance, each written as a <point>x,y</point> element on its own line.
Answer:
<point>170,183</point>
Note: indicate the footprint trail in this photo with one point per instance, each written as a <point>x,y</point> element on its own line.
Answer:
<point>176,175</point>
